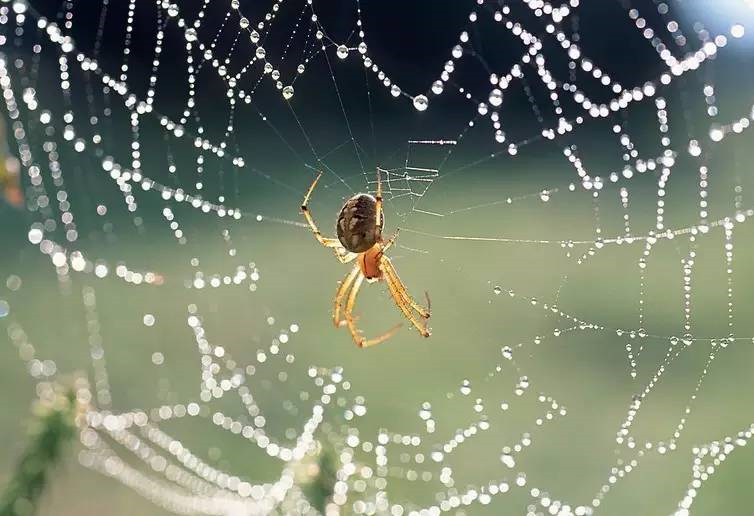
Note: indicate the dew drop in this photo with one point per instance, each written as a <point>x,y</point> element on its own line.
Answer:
<point>342,51</point>
<point>496,97</point>
<point>466,388</point>
<point>421,103</point>
<point>13,282</point>
<point>716,133</point>
<point>35,235</point>
<point>288,92</point>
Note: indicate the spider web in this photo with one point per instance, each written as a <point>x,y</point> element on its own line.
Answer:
<point>558,167</point>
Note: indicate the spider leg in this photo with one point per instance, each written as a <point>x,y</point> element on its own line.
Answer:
<point>404,301</point>
<point>387,245</point>
<point>378,340</point>
<point>333,243</point>
<point>378,197</point>
<point>389,270</point>
<point>340,295</point>
<point>342,254</point>
<point>359,339</point>
<point>404,307</point>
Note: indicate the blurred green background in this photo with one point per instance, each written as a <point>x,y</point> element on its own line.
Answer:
<point>587,371</point>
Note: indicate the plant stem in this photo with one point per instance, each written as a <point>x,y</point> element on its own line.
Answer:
<point>53,428</point>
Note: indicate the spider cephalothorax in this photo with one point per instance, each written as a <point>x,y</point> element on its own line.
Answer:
<point>359,227</point>
<point>356,226</point>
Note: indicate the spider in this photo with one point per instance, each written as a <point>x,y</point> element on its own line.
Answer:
<point>359,230</point>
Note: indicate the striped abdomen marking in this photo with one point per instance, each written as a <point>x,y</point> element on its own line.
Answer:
<point>356,227</point>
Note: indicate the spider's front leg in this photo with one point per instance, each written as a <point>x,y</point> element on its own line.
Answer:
<point>333,243</point>
<point>378,207</point>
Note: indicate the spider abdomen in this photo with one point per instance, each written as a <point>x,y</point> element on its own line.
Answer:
<point>357,223</point>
